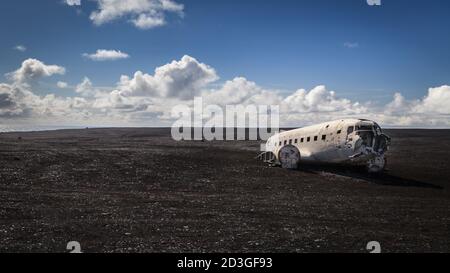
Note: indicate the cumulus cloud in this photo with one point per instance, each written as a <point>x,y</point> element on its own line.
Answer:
<point>18,101</point>
<point>86,88</point>
<point>301,107</point>
<point>106,55</point>
<point>319,99</point>
<point>433,110</point>
<point>146,99</point>
<point>11,101</point>
<point>144,21</point>
<point>318,105</point>
<point>241,91</point>
<point>181,79</point>
<point>144,14</point>
<point>437,101</point>
<point>32,69</point>
<point>73,2</point>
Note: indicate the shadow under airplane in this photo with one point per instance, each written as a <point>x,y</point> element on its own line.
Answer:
<point>358,172</point>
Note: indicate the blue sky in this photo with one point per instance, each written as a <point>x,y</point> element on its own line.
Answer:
<point>366,53</point>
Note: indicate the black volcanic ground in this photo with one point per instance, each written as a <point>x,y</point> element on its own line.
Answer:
<point>136,190</point>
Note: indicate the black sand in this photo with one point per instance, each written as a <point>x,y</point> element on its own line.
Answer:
<point>136,190</point>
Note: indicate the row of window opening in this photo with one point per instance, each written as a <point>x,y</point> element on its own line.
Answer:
<point>308,139</point>
<point>301,140</point>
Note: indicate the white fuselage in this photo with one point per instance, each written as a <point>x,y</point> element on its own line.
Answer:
<point>345,140</point>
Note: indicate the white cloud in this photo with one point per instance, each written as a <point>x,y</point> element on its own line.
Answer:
<point>241,91</point>
<point>87,89</point>
<point>106,55</point>
<point>148,99</point>
<point>299,108</point>
<point>433,110</point>
<point>437,101</point>
<point>319,99</point>
<point>20,48</point>
<point>145,21</point>
<point>181,79</point>
<point>62,85</point>
<point>18,102</point>
<point>32,69</point>
<point>73,2</point>
<point>11,101</point>
<point>144,14</point>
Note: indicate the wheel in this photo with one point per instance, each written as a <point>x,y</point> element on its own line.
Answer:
<point>289,157</point>
<point>376,165</point>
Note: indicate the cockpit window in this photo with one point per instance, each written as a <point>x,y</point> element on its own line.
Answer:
<point>350,130</point>
<point>364,128</point>
<point>367,138</point>
<point>378,129</point>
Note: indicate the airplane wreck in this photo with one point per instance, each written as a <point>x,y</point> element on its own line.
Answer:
<point>345,141</point>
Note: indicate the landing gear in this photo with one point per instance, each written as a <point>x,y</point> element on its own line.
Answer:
<point>376,164</point>
<point>289,157</point>
<point>268,157</point>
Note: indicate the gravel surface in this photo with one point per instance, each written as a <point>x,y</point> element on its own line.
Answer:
<point>137,190</point>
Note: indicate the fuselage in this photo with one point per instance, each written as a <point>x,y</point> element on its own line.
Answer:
<point>345,140</point>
